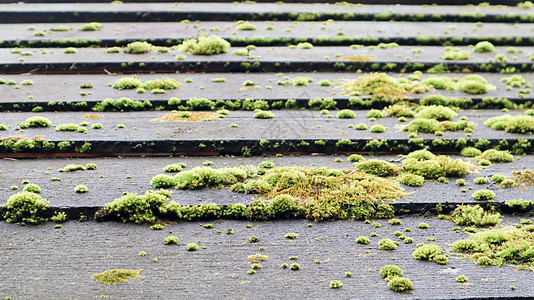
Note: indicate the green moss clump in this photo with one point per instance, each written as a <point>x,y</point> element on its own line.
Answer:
<point>262,114</point>
<point>423,226</point>
<point>127,83</point>
<point>138,47</point>
<point>399,110</point>
<point>138,208</point>
<point>461,279</point>
<point>455,54</point>
<point>496,156</point>
<point>410,179</point>
<point>32,188</point>
<point>173,168</point>
<point>335,284</point>
<point>473,84</point>
<point>378,128</point>
<point>377,167</point>
<point>191,247</point>
<point>423,126</point>
<point>520,124</point>
<point>204,45</point>
<point>387,245</point>
<point>245,26</point>
<point>161,83</point>
<point>304,45</point>
<point>115,276</point>
<point>71,127</point>
<point>33,122</point>
<point>441,259</point>
<point>427,252</point>
<point>390,271</point>
<point>355,158</point>
<point>440,113</point>
<point>171,240</point>
<point>113,50</point>
<point>93,26</point>
<point>346,114</point>
<point>284,206</point>
<point>71,168</point>
<point>70,50</point>
<point>25,207</point>
<point>400,284</point>
<point>470,152</point>
<point>483,47</point>
<point>81,189</point>
<point>363,240</point>
<point>481,195</point>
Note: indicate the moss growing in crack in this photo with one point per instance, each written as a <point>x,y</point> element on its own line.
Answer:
<point>137,208</point>
<point>26,208</point>
<point>115,276</point>
<point>467,215</point>
<point>122,104</point>
<point>204,45</point>
<point>59,217</point>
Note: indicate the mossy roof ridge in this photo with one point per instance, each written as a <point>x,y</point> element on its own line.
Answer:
<point>63,88</point>
<point>266,10</point>
<point>283,32</point>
